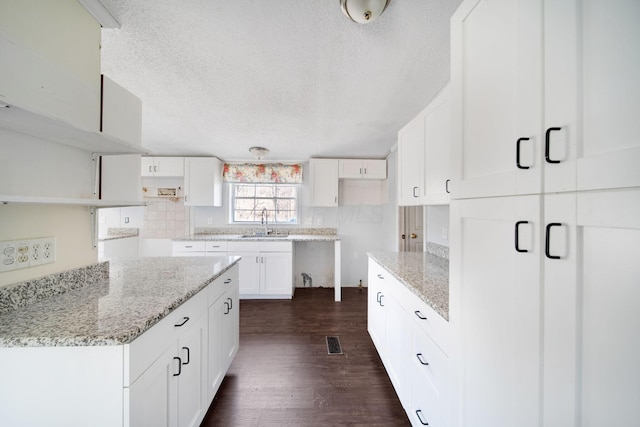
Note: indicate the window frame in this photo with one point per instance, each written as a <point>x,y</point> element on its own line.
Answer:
<point>272,219</point>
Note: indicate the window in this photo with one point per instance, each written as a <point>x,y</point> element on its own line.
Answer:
<point>249,200</point>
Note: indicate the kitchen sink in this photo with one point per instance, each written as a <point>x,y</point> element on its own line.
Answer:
<point>262,235</point>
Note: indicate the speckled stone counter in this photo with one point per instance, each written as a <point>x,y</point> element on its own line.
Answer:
<point>120,233</point>
<point>426,275</point>
<point>115,310</point>
<point>240,238</point>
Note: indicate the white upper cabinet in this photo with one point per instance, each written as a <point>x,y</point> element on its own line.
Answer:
<point>592,64</point>
<point>51,61</point>
<point>202,181</point>
<point>496,92</point>
<point>437,150</point>
<point>580,82</point>
<point>162,166</point>
<point>50,80</point>
<point>424,147</point>
<point>362,169</point>
<point>411,162</point>
<point>323,177</point>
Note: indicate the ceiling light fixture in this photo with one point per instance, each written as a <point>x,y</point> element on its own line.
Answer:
<point>363,11</point>
<point>258,152</point>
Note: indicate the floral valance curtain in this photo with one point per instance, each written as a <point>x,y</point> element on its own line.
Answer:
<point>274,173</point>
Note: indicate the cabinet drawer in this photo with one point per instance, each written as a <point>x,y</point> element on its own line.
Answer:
<point>425,317</point>
<point>427,406</point>
<point>428,359</point>
<point>217,246</point>
<point>145,349</point>
<point>189,247</point>
<point>216,289</point>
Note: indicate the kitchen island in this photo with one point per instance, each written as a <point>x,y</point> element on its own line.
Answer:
<point>131,342</point>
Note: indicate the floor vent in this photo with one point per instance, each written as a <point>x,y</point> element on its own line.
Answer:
<point>333,345</point>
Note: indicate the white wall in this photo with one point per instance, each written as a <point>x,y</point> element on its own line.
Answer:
<point>34,167</point>
<point>437,220</point>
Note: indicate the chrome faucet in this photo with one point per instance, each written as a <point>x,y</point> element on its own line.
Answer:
<point>265,220</point>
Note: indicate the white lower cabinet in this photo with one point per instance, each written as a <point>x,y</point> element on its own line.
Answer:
<point>546,310</point>
<point>266,268</point>
<point>154,396</point>
<point>417,366</point>
<point>203,336</point>
<point>172,391</point>
<point>224,332</point>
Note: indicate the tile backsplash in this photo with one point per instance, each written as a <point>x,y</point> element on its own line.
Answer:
<point>165,218</point>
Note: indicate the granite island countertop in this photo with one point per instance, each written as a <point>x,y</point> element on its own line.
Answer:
<point>138,293</point>
<point>424,274</point>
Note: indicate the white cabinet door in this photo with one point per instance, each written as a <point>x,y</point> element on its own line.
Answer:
<point>249,275</point>
<point>276,273</point>
<point>496,93</point>
<point>396,344</point>
<point>374,169</point>
<point>437,149</point>
<point>495,297</point>
<point>154,395</point>
<point>215,371</point>
<point>202,181</point>
<point>592,63</point>
<point>591,338</point>
<point>323,176</point>
<point>350,168</point>
<point>192,381</point>
<point>147,166</point>
<point>376,314</point>
<point>411,162</point>
<point>230,340</point>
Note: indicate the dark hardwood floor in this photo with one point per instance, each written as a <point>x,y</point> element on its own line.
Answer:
<point>283,376</point>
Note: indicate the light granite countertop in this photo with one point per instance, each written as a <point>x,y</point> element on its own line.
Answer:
<point>138,293</point>
<point>240,238</point>
<point>426,275</point>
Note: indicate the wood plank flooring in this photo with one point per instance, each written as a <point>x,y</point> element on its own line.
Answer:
<point>283,376</point>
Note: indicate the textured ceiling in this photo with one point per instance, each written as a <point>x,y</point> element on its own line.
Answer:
<point>296,76</point>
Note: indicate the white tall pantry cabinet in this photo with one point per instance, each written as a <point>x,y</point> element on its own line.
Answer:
<point>545,216</point>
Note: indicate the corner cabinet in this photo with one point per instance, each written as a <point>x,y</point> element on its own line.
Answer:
<point>323,177</point>
<point>202,181</point>
<point>424,147</point>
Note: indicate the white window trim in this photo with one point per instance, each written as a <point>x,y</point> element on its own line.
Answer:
<point>271,222</point>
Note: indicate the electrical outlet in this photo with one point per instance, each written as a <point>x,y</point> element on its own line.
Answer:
<point>8,255</point>
<point>355,255</point>
<point>209,221</point>
<point>48,250</point>
<point>22,254</point>
<point>27,253</point>
<point>35,252</point>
